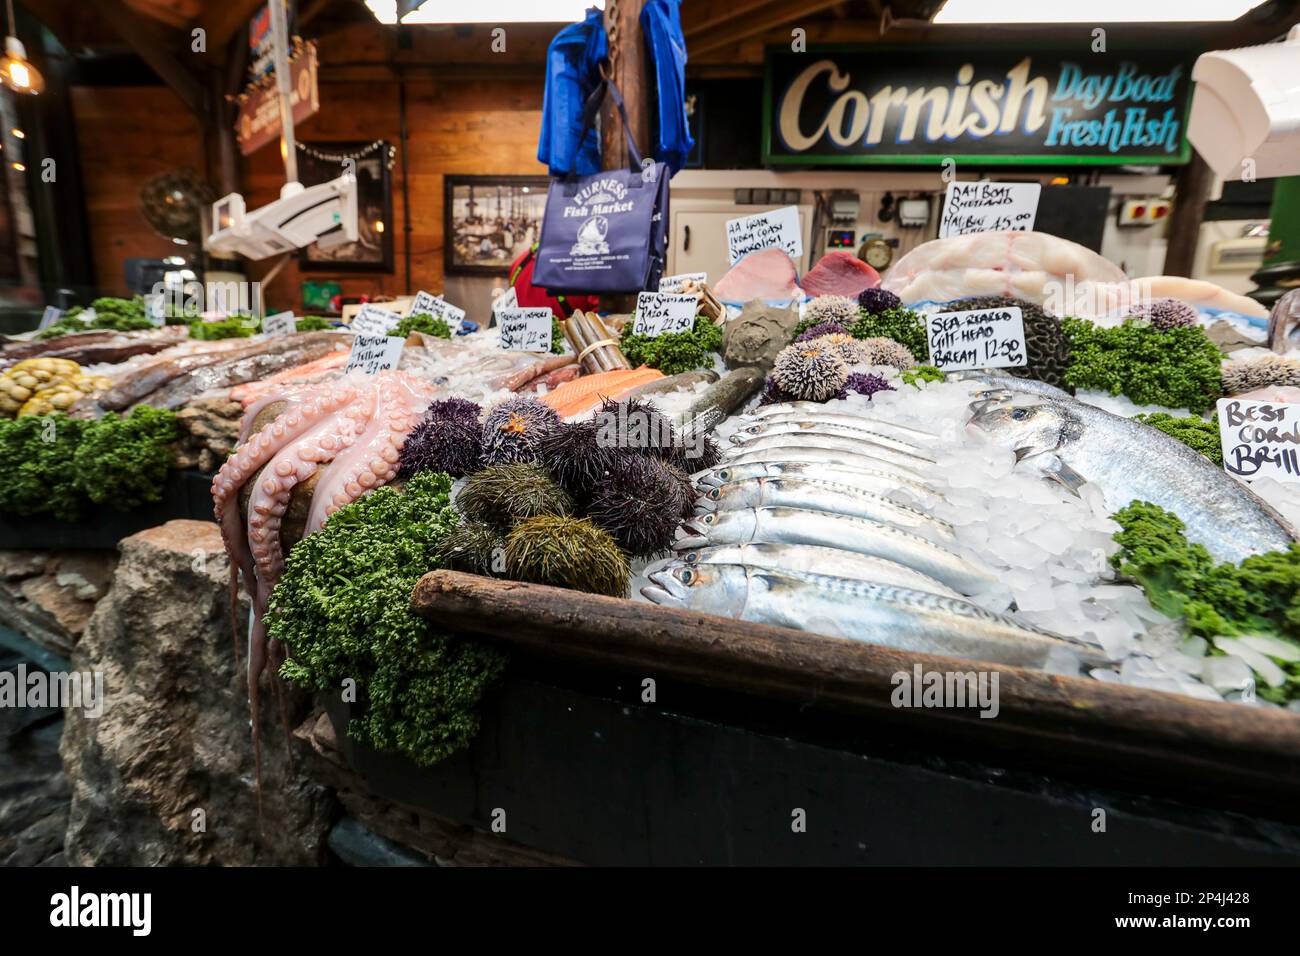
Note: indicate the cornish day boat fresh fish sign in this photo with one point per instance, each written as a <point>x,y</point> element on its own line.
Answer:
<point>857,106</point>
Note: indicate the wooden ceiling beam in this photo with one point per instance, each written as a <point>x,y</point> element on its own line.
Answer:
<point>147,45</point>
<point>223,20</point>
<point>718,15</point>
<point>784,12</point>
<point>173,13</point>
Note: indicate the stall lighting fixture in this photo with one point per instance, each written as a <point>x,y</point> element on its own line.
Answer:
<point>18,134</point>
<point>1095,11</point>
<point>15,72</point>
<point>20,167</point>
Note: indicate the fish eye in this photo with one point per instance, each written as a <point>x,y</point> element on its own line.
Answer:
<point>1020,414</point>
<point>692,557</point>
<point>686,575</point>
<point>708,519</point>
<point>715,494</point>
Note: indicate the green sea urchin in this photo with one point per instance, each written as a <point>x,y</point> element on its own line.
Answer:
<point>473,546</point>
<point>500,495</point>
<point>567,553</point>
<point>513,428</point>
<point>811,371</point>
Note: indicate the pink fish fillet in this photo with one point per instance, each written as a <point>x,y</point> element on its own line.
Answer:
<point>840,273</point>
<point>768,274</point>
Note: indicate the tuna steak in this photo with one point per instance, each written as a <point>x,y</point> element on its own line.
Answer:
<point>840,273</point>
<point>768,274</point>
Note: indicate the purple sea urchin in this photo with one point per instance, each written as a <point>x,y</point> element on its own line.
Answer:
<point>883,351</point>
<point>641,504</point>
<point>810,371</point>
<point>574,455</point>
<point>773,394</point>
<point>1166,314</point>
<point>513,428</point>
<point>872,301</point>
<point>834,309</point>
<point>447,439</point>
<point>864,384</point>
<point>825,328</point>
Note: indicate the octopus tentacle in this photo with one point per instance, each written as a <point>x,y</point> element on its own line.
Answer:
<point>373,461</point>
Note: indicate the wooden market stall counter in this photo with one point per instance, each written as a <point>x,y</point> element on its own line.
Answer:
<point>754,729</point>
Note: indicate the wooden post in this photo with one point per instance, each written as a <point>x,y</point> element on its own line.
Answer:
<point>1191,192</point>
<point>629,68</point>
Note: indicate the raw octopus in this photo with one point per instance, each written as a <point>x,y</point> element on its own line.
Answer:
<point>347,435</point>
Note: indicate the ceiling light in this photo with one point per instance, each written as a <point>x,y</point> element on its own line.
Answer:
<point>15,72</point>
<point>1095,11</point>
<point>18,134</point>
<point>501,11</point>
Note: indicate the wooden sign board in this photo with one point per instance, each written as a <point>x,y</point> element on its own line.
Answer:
<point>259,113</point>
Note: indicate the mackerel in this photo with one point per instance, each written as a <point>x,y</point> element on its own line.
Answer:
<point>825,456</point>
<point>829,443</point>
<point>878,480</point>
<point>844,420</point>
<point>818,496</point>
<point>804,526</point>
<point>1072,442</point>
<point>752,433</point>
<point>898,618</point>
<point>809,559</point>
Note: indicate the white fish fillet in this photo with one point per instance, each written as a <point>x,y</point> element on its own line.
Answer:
<point>1098,300</point>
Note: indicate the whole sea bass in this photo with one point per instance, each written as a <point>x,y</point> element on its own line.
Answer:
<point>803,526</point>
<point>1073,442</point>
<point>819,496</point>
<point>810,559</point>
<point>895,617</point>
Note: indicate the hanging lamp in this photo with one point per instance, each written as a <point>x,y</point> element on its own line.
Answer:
<point>15,71</point>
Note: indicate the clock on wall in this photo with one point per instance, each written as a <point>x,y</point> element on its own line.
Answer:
<point>877,253</point>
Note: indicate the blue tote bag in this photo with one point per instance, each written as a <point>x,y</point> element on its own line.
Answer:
<point>606,232</point>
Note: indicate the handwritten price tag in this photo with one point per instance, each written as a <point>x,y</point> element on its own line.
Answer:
<point>779,228</point>
<point>282,323</point>
<point>1260,439</point>
<point>374,353</point>
<point>660,312</point>
<point>984,338</point>
<point>678,283</point>
<point>989,207</point>
<point>525,330</point>
<point>435,305</point>
<point>372,320</point>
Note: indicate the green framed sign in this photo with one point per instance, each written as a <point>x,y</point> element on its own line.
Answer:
<point>910,106</point>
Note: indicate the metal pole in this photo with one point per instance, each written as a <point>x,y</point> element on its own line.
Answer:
<point>284,84</point>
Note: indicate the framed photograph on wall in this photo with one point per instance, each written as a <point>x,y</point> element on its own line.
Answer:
<point>373,250</point>
<point>488,221</point>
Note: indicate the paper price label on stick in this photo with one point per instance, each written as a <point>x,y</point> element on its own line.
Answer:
<point>372,320</point>
<point>282,323</point>
<point>660,312</point>
<point>155,309</point>
<point>779,228</point>
<point>678,283</point>
<point>374,353</point>
<point>984,338</point>
<point>1260,439</point>
<point>506,300</point>
<point>50,316</point>
<point>428,304</point>
<point>989,207</point>
<point>525,330</point>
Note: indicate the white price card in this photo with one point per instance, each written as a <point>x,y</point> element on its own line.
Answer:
<point>282,323</point>
<point>374,353</point>
<point>155,308</point>
<point>506,300</point>
<point>779,228</point>
<point>989,207</point>
<point>50,316</point>
<point>525,330</point>
<point>658,313</point>
<point>678,283</point>
<point>1260,439</point>
<point>983,338</point>
<point>372,320</point>
<point>427,303</point>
